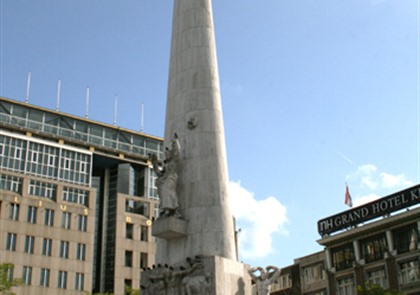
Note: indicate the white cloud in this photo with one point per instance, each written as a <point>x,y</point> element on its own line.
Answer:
<point>392,181</point>
<point>371,184</point>
<point>365,199</point>
<point>258,221</point>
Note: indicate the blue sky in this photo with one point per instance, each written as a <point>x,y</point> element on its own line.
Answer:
<point>316,93</point>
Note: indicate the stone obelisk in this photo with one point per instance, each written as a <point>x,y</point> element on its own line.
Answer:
<point>194,113</point>
<point>196,251</point>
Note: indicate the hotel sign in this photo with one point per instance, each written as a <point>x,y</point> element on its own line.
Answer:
<point>383,206</point>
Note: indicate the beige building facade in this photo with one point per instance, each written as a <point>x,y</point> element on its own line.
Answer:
<point>77,199</point>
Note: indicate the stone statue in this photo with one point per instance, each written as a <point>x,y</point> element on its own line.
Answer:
<point>152,281</point>
<point>166,182</point>
<point>198,282</point>
<point>165,280</point>
<point>265,279</point>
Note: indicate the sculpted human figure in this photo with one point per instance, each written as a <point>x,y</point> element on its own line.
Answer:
<point>265,279</point>
<point>198,282</point>
<point>153,281</point>
<point>165,280</point>
<point>166,182</point>
<point>174,281</point>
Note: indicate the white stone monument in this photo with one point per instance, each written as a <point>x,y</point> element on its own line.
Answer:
<point>196,252</point>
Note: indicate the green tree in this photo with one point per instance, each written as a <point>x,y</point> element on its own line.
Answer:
<point>372,289</point>
<point>6,279</point>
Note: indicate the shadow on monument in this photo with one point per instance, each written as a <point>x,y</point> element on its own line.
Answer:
<point>241,287</point>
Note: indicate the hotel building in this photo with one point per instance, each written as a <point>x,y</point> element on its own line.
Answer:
<point>376,243</point>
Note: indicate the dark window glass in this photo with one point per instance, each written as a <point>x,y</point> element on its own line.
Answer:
<point>343,257</point>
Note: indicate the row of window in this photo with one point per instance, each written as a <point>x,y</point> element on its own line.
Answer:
<point>48,217</point>
<point>80,130</point>
<point>44,190</point>
<point>47,245</point>
<point>405,239</point>
<point>409,272</point>
<point>129,232</point>
<point>44,278</point>
<point>129,258</point>
<point>44,160</point>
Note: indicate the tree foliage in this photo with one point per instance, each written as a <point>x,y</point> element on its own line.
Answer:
<point>6,279</point>
<point>372,289</point>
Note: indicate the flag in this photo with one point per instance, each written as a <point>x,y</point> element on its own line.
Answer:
<point>347,199</point>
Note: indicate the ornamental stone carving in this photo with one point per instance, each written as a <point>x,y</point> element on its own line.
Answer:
<point>165,280</point>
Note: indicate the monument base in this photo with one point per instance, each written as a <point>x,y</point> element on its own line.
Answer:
<point>230,277</point>
<point>169,228</point>
<point>200,275</point>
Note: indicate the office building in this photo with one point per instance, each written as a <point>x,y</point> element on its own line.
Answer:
<point>77,198</point>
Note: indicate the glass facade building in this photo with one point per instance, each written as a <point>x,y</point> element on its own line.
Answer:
<point>69,187</point>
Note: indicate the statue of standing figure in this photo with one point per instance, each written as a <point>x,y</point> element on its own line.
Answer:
<point>166,182</point>
<point>265,278</point>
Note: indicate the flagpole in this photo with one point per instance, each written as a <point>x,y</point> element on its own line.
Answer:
<point>28,86</point>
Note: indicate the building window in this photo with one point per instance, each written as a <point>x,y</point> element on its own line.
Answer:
<point>71,168</point>
<point>144,233</point>
<point>402,237</point>
<point>34,158</point>
<point>64,249</point>
<point>9,268</point>
<point>374,248</point>
<point>66,220</point>
<point>46,247</point>
<point>29,244</point>
<point>27,275</point>
<point>49,217</point>
<point>377,277</point>
<point>313,273</point>
<point>137,207</point>
<point>62,279</point>
<point>83,166</point>
<point>283,282</point>
<point>75,195</point>
<point>143,260</point>
<point>81,252</point>
<point>82,222</point>
<point>44,279</point>
<point>409,272</point>
<point>18,153</point>
<point>152,185</point>
<point>129,230</point>
<point>66,163</point>
<point>127,286</point>
<point>42,189</point>
<point>14,211</point>
<point>11,242</point>
<point>128,258</point>
<point>51,161</point>
<point>79,280</point>
<point>11,183</point>
<point>345,286</point>
<point>31,214</point>
<point>343,257</point>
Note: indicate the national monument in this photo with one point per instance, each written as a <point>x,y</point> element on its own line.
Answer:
<point>196,252</point>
